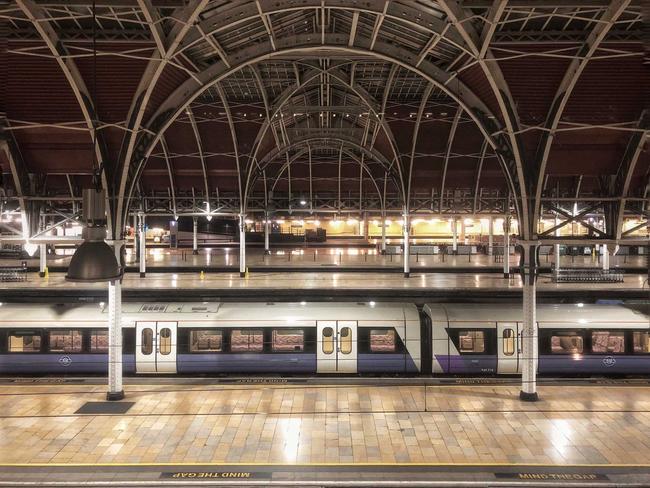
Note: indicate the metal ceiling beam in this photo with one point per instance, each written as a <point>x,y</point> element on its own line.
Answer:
<point>626,169</point>
<point>512,147</point>
<point>167,49</point>
<point>39,19</point>
<point>235,145</point>
<point>450,143</point>
<point>564,91</point>
<point>477,178</point>
<point>170,171</point>
<point>199,146</point>
<point>414,142</point>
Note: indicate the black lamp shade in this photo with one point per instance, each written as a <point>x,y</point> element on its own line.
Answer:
<point>93,261</point>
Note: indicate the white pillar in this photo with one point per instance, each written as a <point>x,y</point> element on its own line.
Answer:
<point>454,235</point>
<point>42,258</point>
<point>366,231</point>
<point>115,390</point>
<point>135,237</point>
<point>529,341</point>
<point>556,252</point>
<point>490,236</point>
<point>407,253</point>
<point>143,246</point>
<point>242,245</point>
<point>605,251</point>
<point>506,247</point>
<point>195,238</point>
<point>267,232</point>
<point>383,232</point>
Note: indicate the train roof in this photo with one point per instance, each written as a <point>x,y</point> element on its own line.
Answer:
<point>249,312</point>
<point>563,313</point>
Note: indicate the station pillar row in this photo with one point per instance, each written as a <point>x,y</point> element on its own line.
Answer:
<point>490,236</point>
<point>143,246</point>
<point>195,237</point>
<point>383,233</point>
<point>407,247</point>
<point>115,389</point>
<point>242,245</point>
<point>529,333</point>
<point>42,259</point>
<point>605,252</point>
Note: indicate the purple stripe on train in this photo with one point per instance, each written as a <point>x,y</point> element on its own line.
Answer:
<point>468,364</point>
<point>246,363</point>
<point>62,363</point>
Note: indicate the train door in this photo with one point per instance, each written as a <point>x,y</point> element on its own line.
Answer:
<point>155,349</point>
<point>337,346</point>
<point>508,347</point>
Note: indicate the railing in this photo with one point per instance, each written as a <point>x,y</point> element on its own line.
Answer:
<point>13,273</point>
<point>587,275</point>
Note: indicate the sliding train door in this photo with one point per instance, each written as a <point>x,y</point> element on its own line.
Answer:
<point>508,347</point>
<point>155,349</point>
<point>337,346</point>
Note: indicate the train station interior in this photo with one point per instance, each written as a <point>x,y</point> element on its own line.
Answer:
<point>324,243</point>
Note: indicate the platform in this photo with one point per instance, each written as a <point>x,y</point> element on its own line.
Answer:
<point>332,258</point>
<point>304,434</point>
<point>282,286</point>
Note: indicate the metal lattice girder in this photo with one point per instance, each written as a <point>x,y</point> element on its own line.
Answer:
<point>568,83</point>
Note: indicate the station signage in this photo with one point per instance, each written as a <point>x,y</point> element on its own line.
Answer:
<point>200,475</point>
<point>550,476</point>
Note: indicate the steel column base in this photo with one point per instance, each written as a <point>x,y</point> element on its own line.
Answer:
<point>242,274</point>
<point>528,397</point>
<point>195,251</point>
<point>41,274</point>
<point>506,275</point>
<point>267,252</point>
<point>142,275</point>
<point>115,396</point>
<point>407,274</point>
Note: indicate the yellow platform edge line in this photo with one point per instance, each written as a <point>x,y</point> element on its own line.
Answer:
<point>289,465</point>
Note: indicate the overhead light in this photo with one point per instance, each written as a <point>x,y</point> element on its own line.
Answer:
<point>94,260</point>
<point>303,202</point>
<point>30,248</point>
<point>208,217</point>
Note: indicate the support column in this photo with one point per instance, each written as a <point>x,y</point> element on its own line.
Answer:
<point>506,247</point>
<point>529,340</point>
<point>605,251</point>
<point>143,246</point>
<point>366,231</point>
<point>556,252</point>
<point>195,239</point>
<point>407,251</point>
<point>136,249</point>
<point>383,233</point>
<point>242,245</point>
<point>490,236</point>
<point>454,235</point>
<point>267,232</point>
<point>42,258</point>
<point>115,389</point>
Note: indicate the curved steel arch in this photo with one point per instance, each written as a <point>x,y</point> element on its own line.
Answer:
<point>310,76</point>
<point>353,156</point>
<point>306,44</point>
<point>337,141</point>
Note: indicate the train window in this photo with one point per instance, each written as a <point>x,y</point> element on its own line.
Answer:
<point>65,340</point>
<point>242,340</point>
<point>165,341</point>
<point>566,343</point>
<point>471,340</point>
<point>328,340</point>
<point>641,342</point>
<point>25,341</point>
<point>147,341</point>
<point>609,342</point>
<point>99,340</point>
<point>345,340</point>
<point>206,341</point>
<point>288,340</point>
<point>382,340</point>
<point>508,342</point>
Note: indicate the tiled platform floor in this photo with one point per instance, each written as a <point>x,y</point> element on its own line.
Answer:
<point>278,281</point>
<point>318,257</point>
<point>328,424</point>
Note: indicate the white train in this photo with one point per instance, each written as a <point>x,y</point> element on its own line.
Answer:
<point>329,338</point>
